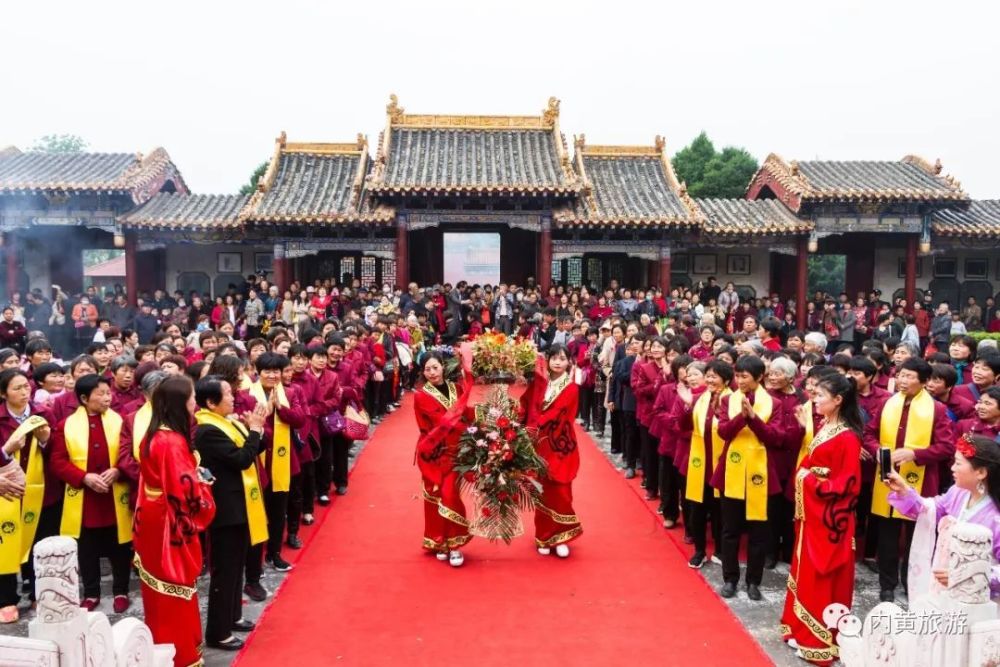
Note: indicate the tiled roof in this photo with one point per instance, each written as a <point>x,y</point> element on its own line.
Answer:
<point>132,173</point>
<point>472,154</point>
<point>982,218</point>
<point>184,211</point>
<point>315,183</point>
<point>629,185</point>
<point>755,217</point>
<point>909,179</point>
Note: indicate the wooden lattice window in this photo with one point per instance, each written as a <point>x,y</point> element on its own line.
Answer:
<point>594,270</point>
<point>389,272</point>
<point>556,271</point>
<point>368,271</point>
<point>347,268</point>
<point>574,271</point>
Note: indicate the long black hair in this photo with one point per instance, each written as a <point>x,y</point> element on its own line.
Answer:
<point>843,386</point>
<point>987,456</point>
<point>170,411</point>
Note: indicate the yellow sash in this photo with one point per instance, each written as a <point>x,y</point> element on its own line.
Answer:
<point>77,431</point>
<point>281,448</point>
<point>19,516</point>
<point>808,437</point>
<point>746,465</point>
<point>140,425</point>
<point>919,429</point>
<point>235,431</point>
<point>697,468</point>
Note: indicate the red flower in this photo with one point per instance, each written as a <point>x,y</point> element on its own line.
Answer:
<point>470,476</point>
<point>503,422</point>
<point>510,435</point>
<point>487,512</point>
<point>508,455</point>
<point>485,470</point>
<point>502,496</point>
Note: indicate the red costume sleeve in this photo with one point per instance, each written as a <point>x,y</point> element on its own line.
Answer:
<point>441,431</point>
<point>829,500</point>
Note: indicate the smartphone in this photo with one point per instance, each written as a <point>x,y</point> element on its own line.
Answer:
<point>206,475</point>
<point>884,462</point>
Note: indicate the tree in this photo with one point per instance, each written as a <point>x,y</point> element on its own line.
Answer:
<point>60,143</point>
<point>709,173</point>
<point>250,187</point>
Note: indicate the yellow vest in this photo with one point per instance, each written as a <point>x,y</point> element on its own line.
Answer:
<point>77,432</point>
<point>19,516</point>
<point>140,425</point>
<point>808,437</point>
<point>698,467</point>
<point>281,448</point>
<point>746,463</point>
<point>919,429</point>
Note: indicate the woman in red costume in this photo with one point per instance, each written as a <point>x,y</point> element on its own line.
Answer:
<point>174,505</point>
<point>439,406</point>
<point>549,406</point>
<point>826,493</point>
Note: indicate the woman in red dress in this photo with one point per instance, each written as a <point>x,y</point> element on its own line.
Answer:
<point>174,505</point>
<point>826,493</point>
<point>439,406</point>
<point>549,406</point>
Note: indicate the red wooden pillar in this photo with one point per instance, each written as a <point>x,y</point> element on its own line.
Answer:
<point>664,281</point>
<point>801,282</point>
<point>131,268</point>
<point>910,284</point>
<point>280,267</point>
<point>402,254</point>
<point>545,257</point>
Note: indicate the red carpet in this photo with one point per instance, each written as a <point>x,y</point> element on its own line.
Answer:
<point>364,593</point>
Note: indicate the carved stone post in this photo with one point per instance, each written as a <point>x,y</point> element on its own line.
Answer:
<point>59,618</point>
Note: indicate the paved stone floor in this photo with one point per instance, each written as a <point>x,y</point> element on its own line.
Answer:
<point>760,618</point>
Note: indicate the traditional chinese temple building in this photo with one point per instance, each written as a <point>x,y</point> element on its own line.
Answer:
<point>585,216</point>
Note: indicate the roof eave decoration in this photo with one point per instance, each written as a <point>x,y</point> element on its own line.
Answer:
<point>980,220</point>
<point>568,217</point>
<point>397,118</point>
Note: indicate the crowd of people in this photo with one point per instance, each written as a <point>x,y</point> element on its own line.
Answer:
<point>740,416</point>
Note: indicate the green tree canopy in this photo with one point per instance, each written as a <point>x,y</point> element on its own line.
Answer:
<point>60,143</point>
<point>709,173</point>
<point>249,188</point>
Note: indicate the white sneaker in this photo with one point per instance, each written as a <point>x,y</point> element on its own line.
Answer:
<point>792,644</point>
<point>715,559</point>
<point>455,559</point>
<point>544,551</point>
<point>562,550</point>
<point>441,556</point>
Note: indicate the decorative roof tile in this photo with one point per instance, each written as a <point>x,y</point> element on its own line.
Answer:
<point>761,217</point>
<point>472,154</point>
<point>185,211</point>
<point>315,183</point>
<point>629,185</point>
<point>981,219</point>
<point>126,173</point>
<point>909,179</point>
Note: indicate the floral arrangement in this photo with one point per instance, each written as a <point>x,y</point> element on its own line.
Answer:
<point>497,357</point>
<point>498,464</point>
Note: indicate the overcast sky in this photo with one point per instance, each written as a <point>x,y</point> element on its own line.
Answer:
<point>215,82</point>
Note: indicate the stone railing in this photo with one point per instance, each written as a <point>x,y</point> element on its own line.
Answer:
<point>63,634</point>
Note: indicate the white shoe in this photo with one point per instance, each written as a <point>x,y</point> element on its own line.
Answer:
<point>715,559</point>
<point>544,551</point>
<point>441,556</point>
<point>455,559</point>
<point>562,550</point>
<point>792,644</point>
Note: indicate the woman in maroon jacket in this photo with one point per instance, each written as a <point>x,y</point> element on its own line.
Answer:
<point>647,376</point>
<point>664,441</point>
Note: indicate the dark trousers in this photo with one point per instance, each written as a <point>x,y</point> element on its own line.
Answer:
<point>702,512</point>
<point>598,413</point>
<point>225,589</point>
<point>255,563</point>
<point>323,465</point>
<point>48,526</point>
<point>294,506</point>
<point>670,488</point>
<point>505,324</point>
<point>616,432</point>
<point>630,438</point>
<point>586,401</point>
<point>371,395</point>
<point>781,514</point>
<point>734,524</point>
<point>276,506</point>
<point>9,596</point>
<point>341,452</point>
<point>891,562</point>
<point>650,461</point>
<point>95,543</point>
<point>867,523</point>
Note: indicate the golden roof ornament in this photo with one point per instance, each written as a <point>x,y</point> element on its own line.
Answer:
<point>551,113</point>
<point>393,109</point>
<point>579,141</point>
<point>661,143</point>
<point>938,166</point>
<point>282,139</point>
<point>793,168</point>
